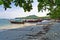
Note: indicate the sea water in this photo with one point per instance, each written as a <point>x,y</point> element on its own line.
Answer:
<point>4,22</point>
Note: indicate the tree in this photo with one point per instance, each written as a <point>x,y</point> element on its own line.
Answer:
<point>25,4</point>
<point>51,5</point>
<point>55,14</point>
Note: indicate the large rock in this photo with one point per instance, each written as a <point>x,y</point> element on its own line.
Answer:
<point>54,32</point>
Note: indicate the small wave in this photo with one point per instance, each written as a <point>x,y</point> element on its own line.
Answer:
<point>1,30</point>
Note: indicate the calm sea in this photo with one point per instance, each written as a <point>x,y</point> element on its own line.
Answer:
<point>4,22</point>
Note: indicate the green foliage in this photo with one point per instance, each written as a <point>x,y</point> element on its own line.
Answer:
<point>57,2</point>
<point>7,3</point>
<point>44,3</point>
<point>55,14</point>
<point>1,2</point>
<point>51,5</point>
<point>25,4</point>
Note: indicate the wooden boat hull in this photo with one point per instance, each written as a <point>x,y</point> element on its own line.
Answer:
<point>17,22</point>
<point>31,21</point>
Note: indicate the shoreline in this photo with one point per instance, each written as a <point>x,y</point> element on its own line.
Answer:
<point>27,32</point>
<point>14,26</point>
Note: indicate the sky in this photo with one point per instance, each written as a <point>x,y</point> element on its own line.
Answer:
<point>19,12</point>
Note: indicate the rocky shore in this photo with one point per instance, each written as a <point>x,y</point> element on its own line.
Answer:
<point>36,32</point>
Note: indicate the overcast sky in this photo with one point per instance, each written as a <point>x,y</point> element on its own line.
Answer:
<point>19,12</point>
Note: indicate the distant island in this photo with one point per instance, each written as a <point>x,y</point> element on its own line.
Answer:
<point>28,17</point>
<point>32,17</point>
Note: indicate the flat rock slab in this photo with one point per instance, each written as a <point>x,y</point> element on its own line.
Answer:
<point>20,33</point>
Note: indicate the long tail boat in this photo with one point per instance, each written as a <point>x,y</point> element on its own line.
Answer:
<point>17,22</point>
<point>32,21</point>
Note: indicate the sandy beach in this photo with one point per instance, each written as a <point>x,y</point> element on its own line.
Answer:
<point>14,26</point>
